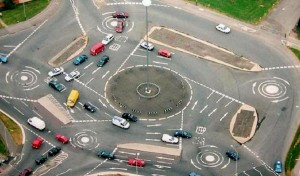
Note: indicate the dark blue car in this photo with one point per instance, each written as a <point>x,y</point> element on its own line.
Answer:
<point>3,59</point>
<point>232,155</point>
<point>182,133</point>
<point>80,59</point>
<point>278,166</point>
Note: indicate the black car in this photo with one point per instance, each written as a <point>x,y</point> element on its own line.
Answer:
<point>56,85</point>
<point>40,160</point>
<point>104,59</point>
<point>105,154</point>
<point>130,117</point>
<point>182,133</point>
<point>54,151</point>
<point>232,155</point>
<point>89,106</point>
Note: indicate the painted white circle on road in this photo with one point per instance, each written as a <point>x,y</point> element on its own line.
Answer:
<point>24,78</point>
<point>113,23</point>
<point>85,139</point>
<point>210,158</point>
<point>272,89</point>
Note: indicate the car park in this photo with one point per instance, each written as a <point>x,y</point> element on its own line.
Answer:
<point>26,172</point>
<point>37,123</point>
<point>80,59</point>
<point>278,166</point>
<point>102,61</point>
<point>90,107</point>
<point>182,133</point>
<point>223,28</point>
<point>62,138</point>
<point>169,139</point>
<point>120,15</point>
<point>148,46</point>
<point>193,174</point>
<point>57,85</point>
<point>56,71</point>
<point>54,151</point>
<point>164,53</point>
<point>105,154</point>
<point>232,155</point>
<point>136,162</point>
<point>41,159</point>
<point>3,59</point>
<point>120,26</point>
<point>120,122</point>
<point>73,75</point>
<point>129,117</point>
<point>108,38</point>
<point>97,48</point>
<point>37,142</point>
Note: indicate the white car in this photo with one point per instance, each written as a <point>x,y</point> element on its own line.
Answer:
<point>169,139</point>
<point>149,47</point>
<point>72,75</point>
<point>108,39</point>
<point>223,28</point>
<point>56,71</point>
<point>37,123</point>
<point>120,122</point>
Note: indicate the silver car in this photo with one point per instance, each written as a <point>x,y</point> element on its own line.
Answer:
<point>74,74</point>
<point>108,39</point>
<point>56,71</point>
<point>223,28</point>
<point>149,47</point>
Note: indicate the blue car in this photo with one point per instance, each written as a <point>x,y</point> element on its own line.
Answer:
<point>194,174</point>
<point>3,59</point>
<point>79,60</point>
<point>182,133</point>
<point>278,166</point>
<point>232,155</point>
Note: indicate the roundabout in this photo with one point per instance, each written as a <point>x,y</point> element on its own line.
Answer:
<point>166,93</point>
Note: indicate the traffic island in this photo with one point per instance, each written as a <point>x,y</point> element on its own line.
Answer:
<point>201,49</point>
<point>243,124</point>
<point>68,53</point>
<point>152,92</point>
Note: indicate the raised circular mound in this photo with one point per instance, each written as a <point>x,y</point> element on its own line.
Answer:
<point>150,93</point>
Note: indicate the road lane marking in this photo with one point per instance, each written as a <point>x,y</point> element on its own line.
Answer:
<point>156,140</point>
<point>88,65</point>
<point>220,98</point>
<point>229,103</point>
<point>203,109</point>
<point>37,114</point>
<point>163,63</point>
<point>138,55</point>
<point>5,100</point>
<point>195,105</point>
<point>223,116</point>
<point>160,157</point>
<point>212,112</point>
<point>89,81</point>
<point>105,74</point>
<point>210,94</point>
<point>96,70</point>
<point>154,125</point>
<point>18,110</point>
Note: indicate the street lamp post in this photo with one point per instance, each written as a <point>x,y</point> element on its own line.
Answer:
<point>236,160</point>
<point>147,3</point>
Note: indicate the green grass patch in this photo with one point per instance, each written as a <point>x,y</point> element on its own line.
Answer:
<point>13,128</point>
<point>245,10</point>
<point>298,31</point>
<point>293,154</point>
<point>3,149</point>
<point>17,14</point>
<point>296,52</point>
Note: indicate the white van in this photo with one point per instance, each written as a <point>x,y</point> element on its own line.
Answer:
<point>120,122</point>
<point>37,123</point>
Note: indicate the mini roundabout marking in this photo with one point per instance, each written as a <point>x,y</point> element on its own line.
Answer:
<point>209,156</point>
<point>275,89</point>
<point>26,78</point>
<point>109,24</point>
<point>86,139</point>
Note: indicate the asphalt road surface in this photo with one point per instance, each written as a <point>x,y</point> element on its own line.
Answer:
<point>215,93</point>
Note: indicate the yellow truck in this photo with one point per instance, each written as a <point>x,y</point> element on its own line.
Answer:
<point>73,97</point>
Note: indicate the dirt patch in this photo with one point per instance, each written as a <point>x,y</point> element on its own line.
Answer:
<point>200,48</point>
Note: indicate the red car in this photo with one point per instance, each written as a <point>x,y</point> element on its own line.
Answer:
<point>62,138</point>
<point>164,53</point>
<point>37,142</point>
<point>136,162</point>
<point>120,27</point>
<point>120,15</point>
<point>26,172</point>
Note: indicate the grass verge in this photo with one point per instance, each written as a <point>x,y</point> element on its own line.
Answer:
<point>296,52</point>
<point>3,149</point>
<point>245,10</point>
<point>13,128</point>
<point>293,154</point>
<point>17,14</point>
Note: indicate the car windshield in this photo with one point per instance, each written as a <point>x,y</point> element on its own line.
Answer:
<point>124,123</point>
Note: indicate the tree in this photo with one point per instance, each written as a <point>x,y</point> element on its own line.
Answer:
<point>9,4</point>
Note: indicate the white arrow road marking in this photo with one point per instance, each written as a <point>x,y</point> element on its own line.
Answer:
<point>203,108</point>
<point>159,157</point>
<point>223,116</point>
<point>194,105</point>
<point>226,164</point>
<point>212,112</point>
